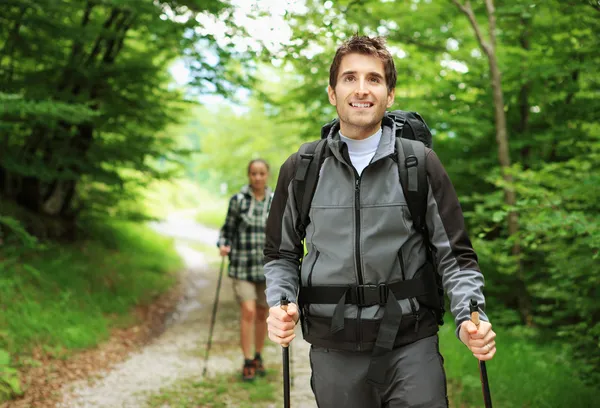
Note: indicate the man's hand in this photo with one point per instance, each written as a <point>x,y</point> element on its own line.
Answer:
<point>281,323</point>
<point>224,250</point>
<point>480,341</point>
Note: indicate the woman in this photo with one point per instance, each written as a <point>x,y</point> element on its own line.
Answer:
<point>242,237</point>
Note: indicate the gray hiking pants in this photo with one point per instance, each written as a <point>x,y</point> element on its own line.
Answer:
<point>415,378</point>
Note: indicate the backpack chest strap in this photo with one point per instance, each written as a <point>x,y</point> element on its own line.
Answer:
<point>364,295</point>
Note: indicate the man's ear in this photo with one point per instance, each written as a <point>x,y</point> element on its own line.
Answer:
<point>390,98</point>
<point>331,94</point>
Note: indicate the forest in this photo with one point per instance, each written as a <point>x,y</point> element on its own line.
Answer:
<point>115,113</point>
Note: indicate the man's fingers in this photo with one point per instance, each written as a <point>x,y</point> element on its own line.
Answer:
<point>487,355</point>
<point>285,316</point>
<point>282,331</point>
<point>489,338</point>
<point>480,332</point>
<point>483,347</point>
<point>274,322</point>
<point>281,340</point>
<point>292,309</point>
<point>278,313</point>
<point>470,327</point>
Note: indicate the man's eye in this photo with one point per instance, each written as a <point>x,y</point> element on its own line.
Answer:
<point>349,79</point>
<point>376,80</point>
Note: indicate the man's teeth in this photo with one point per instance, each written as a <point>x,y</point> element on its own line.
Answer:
<point>361,105</point>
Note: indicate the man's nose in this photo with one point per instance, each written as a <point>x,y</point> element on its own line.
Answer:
<point>361,87</point>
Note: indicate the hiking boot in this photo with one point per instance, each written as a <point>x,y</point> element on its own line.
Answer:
<point>258,366</point>
<point>248,371</point>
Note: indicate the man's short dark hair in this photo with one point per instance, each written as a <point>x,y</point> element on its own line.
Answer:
<point>374,46</point>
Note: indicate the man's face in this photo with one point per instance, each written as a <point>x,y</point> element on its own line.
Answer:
<point>360,95</point>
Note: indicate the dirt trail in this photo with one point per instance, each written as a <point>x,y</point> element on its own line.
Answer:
<point>178,353</point>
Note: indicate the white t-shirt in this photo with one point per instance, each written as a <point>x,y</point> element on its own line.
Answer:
<point>362,151</point>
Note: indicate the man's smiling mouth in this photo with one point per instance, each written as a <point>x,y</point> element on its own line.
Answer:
<point>361,104</point>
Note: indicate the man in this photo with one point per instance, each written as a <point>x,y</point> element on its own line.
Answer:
<point>361,239</point>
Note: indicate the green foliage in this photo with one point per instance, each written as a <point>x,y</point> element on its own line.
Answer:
<point>9,378</point>
<point>89,123</point>
<point>524,373</point>
<point>228,140</point>
<point>213,210</point>
<point>15,230</point>
<point>66,297</point>
<point>86,99</point>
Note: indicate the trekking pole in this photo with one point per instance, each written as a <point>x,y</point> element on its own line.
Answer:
<point>291,366</point>
<point>485,385</point>
<point>214,316</point>
<point>286,362</point>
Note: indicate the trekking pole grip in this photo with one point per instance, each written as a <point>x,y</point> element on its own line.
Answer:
<point>284,302</point>
<point>485,385</point>
<point>474,308</point>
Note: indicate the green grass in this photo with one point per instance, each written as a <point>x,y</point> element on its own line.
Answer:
<point>522,374</point>
<point>67,297</point>
<point>220,392</point>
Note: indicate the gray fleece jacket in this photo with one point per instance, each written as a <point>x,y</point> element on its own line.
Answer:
<point>361,232</point>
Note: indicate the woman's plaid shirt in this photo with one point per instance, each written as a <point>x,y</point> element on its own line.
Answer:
<point>244,230</point>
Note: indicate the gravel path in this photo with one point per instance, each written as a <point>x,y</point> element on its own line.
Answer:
<point>179,352</point>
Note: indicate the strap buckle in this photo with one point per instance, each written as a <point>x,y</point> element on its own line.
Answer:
<point>411,161</point>
<point>370,295</point>
<point>302,170</point>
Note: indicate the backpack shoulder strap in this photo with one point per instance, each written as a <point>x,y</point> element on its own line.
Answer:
<point>413,178</point>
<point>308,164</point>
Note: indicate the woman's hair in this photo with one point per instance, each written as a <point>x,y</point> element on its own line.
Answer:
<point>263,161</point>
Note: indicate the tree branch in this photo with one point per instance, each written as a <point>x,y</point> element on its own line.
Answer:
<point>468,11</point>
<point>122,39</point>
<point>114,44</point>
<point>109,21</point>
<point>350,5</point>
<point>423,45</point>
<point>489,4</point>
<point>76,48</point>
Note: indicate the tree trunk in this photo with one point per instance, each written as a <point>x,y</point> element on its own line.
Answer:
<point>3,179</point>
<point>524,95</point>
<point>55,202</point>
<point>29,193</point>
<point>489,48</point>
<point>61,194</point>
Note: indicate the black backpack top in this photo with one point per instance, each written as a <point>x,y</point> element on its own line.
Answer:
<point>412,136</point>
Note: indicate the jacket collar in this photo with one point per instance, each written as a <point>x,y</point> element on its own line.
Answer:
<point>386,144</point>
<point>247,191</point>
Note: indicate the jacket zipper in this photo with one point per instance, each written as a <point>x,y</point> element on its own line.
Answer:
<point>413,307</point>
<point>312,268</point>
<point>357,253</point>
<point>309,283</point>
